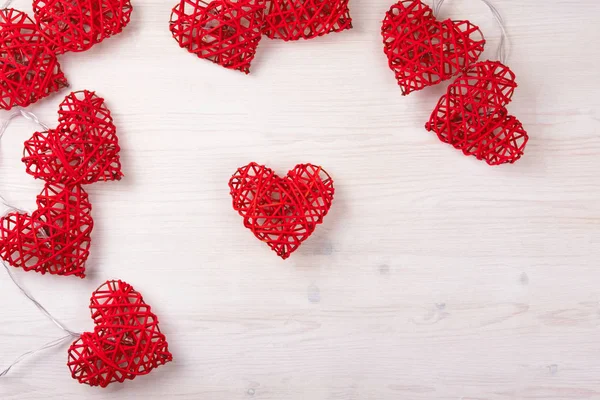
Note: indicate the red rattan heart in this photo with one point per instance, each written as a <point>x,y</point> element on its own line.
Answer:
<point>306,19</point>
<point>226,32</point>
<point>472,116</point>
<point>423,51</point>
<point>83,149</point>
<point>282,212</point>
<point>55,238</point>
<point>77,25</point>
<point>126,341</point>
<point>29,70</point>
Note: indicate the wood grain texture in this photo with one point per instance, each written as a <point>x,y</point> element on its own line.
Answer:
<point>433,277</point>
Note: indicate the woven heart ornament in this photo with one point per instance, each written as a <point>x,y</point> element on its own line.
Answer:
<point>55,238</point>
<point>29,70</point>
<point>282,212</point>
<point>472,116</point>
<point>77,25</point>
<point>126,341</point>
<point>83,149</point>
<point>226,32</point>
<point>423,51</point>
<point>305,19</point>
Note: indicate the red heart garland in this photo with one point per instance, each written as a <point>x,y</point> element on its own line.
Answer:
<point>126,341</point>
<point>55,238</point>
<point>306,19</point>
<point>423,51</point>
<point>83,149</point>
<point>282,212</point>
<point>77,25</point>
<point>29,70</point>
<point>473,118</point>
<point>226,32</point>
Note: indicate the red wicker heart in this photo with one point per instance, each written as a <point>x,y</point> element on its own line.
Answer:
<point>472,115</point>
<point>83,149</point>
<point>306,19</point>
<point>126,341</point>
<point>282,212</point>
<point>77,25</point>
<point>29,70</point>
<point>226,32</point>
<point>423,51</point>
<point>55,238</point>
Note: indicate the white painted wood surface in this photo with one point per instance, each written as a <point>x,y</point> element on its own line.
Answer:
<point>433,277</point>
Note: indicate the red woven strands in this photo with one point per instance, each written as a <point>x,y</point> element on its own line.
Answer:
<point>282,212</point>
<point>55,238</point>
<point>223,31</point>
<point>76,25</point>
<point>126,341</point>
<point>305,19</point>
<point>83,149</point>
<point>473,118</point>
<point>423,51</point>
<point>29,70</point>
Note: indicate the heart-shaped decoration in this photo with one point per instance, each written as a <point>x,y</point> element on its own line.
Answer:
<point>126,341</point>
<point>226,32</point>
<point>282,212</point>
<point>77,25</point>
<point>29,70</point>
<point>55,238</point>
<point>83,149</point>
<point>306,19</point>
<point>423,51</point>
<point>472,116</point>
